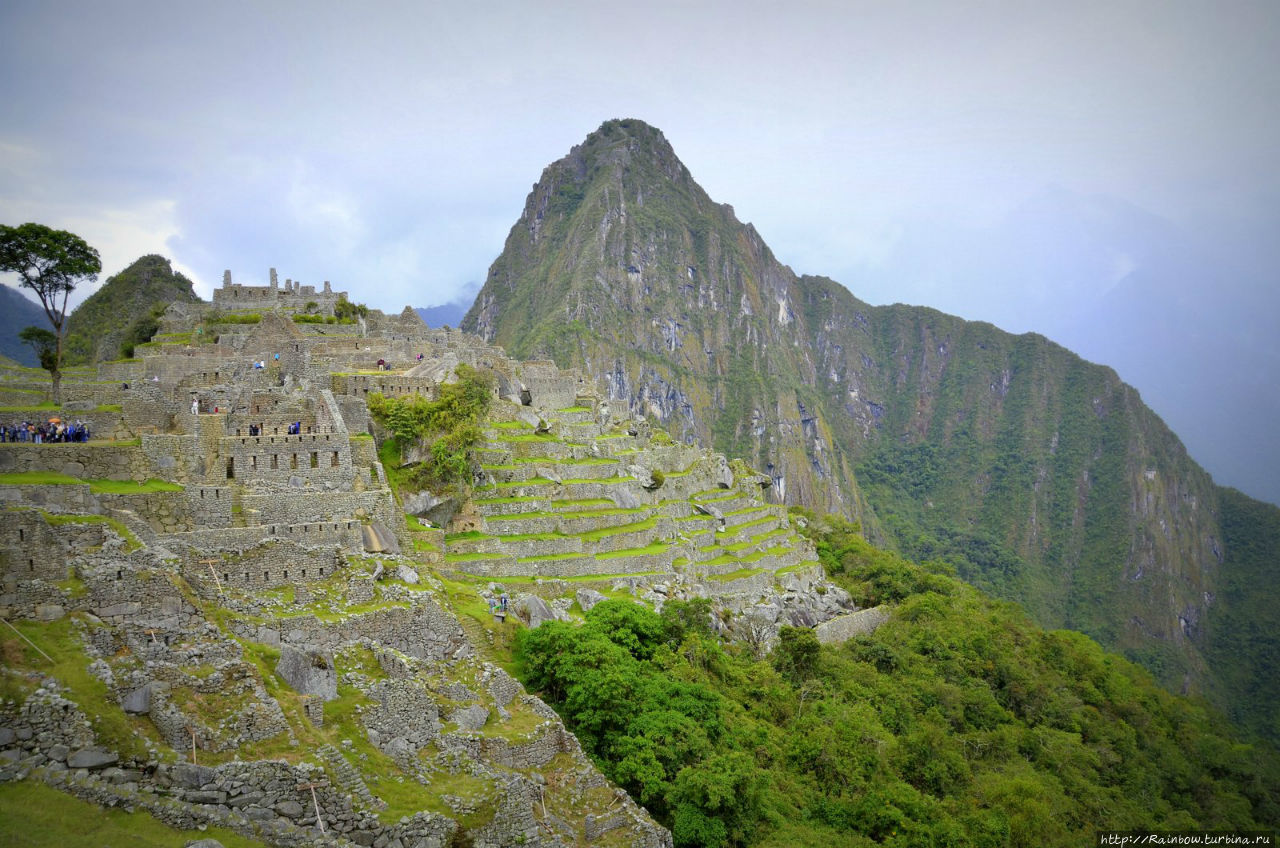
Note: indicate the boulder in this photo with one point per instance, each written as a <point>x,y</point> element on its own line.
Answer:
<point>533,610</point>
<point>378,539</point>
<point>588,598</point>
<point>708,509</point>
<point>473,717</point>
<point>308,672</point>
<point>723,473</point>
<point>137,701</point>
<point>438,510</point>
<point>408,574</point>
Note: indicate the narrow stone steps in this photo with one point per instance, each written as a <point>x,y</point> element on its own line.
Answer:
<point>349,779</point>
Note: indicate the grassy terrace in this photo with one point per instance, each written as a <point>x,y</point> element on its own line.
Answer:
<point>590,460</point>
<point>553,557</point>
<point>527,437</point>
<point>97,486</point>
<point>655,548</point>
<point>594,535</point>
<point>468,557</point>
<point>509,500</point>
<point>532,481</point>
<point>715,495</point>
<point>736,575</point>
<point>777,550</point>
<point>737,528</point>
<point>581,502</point>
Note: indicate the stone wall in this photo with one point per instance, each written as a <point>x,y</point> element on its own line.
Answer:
<point>318,459</point>
<point>86,460</point>
<point>424,631</point>
<point>300,506</point>
<point>267,564</point>
<point>845,627</point>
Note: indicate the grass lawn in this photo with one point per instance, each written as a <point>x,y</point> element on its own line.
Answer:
<point>37,816</point>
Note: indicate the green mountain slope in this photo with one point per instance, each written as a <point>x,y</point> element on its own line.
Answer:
<point>122,307</point>
<point>1035,474</point>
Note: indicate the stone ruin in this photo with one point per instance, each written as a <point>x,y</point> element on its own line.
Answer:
<point>272,552</point>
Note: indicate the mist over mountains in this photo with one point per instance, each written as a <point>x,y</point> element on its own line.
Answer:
<point>1192,319</point>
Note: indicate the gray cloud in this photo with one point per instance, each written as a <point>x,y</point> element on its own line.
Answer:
<point>389,147</point>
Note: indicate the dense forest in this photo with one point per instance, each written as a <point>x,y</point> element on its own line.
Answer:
<point>959,723</point>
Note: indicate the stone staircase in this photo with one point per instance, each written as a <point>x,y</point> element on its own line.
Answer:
<point>349,779</point>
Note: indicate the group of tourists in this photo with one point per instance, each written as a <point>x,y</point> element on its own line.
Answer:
<point>53,430</point>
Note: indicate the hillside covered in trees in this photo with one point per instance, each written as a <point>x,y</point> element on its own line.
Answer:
<point>959,722</point>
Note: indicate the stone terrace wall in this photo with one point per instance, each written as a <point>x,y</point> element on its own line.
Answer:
<point>296,506</point>
<point>78,459</point>
<point>327,534</point>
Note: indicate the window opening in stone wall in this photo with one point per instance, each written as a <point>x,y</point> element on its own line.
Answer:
<point>253,462</point>
<point>119,574</point>
<point>315,459</point>
<point>31,565</point>
<point>286,575</point>
<point>226,578</point>
<point>304,574</point>
<point>334,462</point>
<point>246,577</point>
<point>293,462</point>
<point>21,534</point>
<point>266,576</point>
<point>231,467</point>
<point>275,461</point>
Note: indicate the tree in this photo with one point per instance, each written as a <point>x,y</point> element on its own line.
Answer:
<point>51,263</point>
<point>43,342</point>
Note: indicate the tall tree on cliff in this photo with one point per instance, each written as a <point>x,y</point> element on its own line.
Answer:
<point>51,263</point>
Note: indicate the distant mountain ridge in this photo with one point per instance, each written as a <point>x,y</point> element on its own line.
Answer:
<point>16,314</point>
<point>445,315</point>
<point>1036,475</point>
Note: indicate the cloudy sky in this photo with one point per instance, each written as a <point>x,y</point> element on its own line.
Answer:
<point>899,147</point>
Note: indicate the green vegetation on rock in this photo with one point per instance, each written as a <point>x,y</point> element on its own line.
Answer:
<point>445,430</point>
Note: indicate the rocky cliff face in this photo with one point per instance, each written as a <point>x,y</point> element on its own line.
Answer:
<point>1035,474</point>
<point>622,265</point>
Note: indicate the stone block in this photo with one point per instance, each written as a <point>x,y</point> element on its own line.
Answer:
<point>123,608</point>
<point>92,758</point>
<point>308,672</point>
<point>49,612</point>
<point>138,701</point>
<point>588,598</point>
<point>191,776</point>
